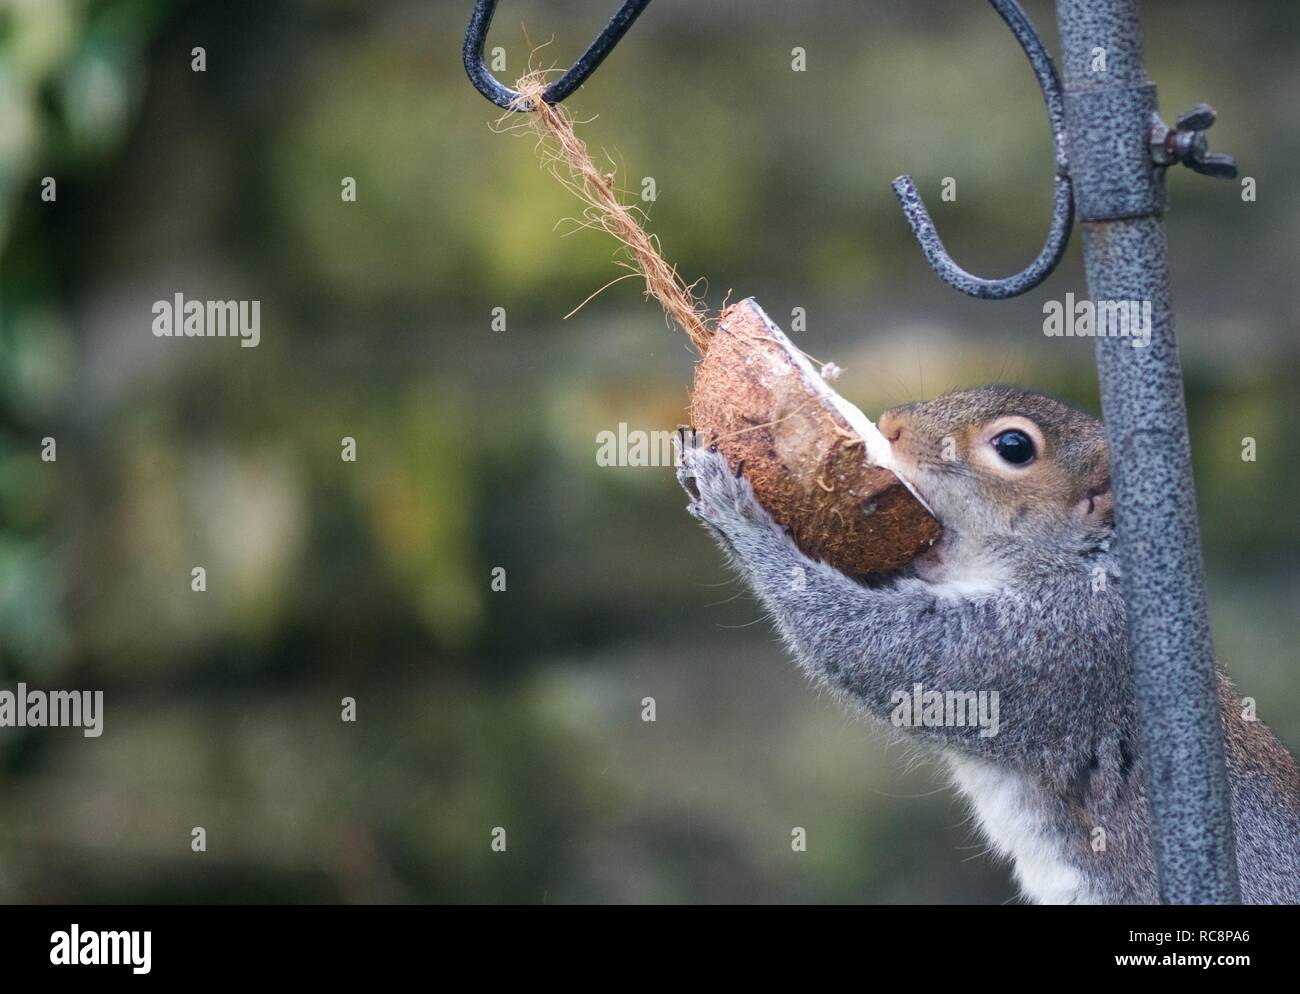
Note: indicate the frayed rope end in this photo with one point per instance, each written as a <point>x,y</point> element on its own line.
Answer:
<point>567,157</point>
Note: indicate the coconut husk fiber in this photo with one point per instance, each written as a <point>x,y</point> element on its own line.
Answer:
<point>815,462</point>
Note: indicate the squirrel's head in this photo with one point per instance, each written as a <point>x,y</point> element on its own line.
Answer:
<point>1005,468</point>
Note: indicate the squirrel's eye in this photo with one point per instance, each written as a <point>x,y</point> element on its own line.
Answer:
<point>1014,446</point>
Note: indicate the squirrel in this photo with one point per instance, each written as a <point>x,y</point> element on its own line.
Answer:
<point>1021,596</point>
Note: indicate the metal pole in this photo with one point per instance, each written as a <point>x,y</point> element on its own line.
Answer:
<point>1119,198</point>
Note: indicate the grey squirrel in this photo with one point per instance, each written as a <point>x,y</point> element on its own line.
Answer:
<point>1008,601</point>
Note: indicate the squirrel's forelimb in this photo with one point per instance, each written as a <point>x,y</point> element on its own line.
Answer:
<point>887,647</point>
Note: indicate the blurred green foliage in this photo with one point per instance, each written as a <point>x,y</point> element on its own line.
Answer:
<point>476,449</point>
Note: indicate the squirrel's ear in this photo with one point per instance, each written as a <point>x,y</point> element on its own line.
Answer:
<point>1097,507</point>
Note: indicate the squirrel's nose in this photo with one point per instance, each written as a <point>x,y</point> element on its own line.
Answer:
<point>891,426</point>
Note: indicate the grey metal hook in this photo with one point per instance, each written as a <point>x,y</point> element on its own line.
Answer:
<point>574,76</point>
<point>1058,233</point>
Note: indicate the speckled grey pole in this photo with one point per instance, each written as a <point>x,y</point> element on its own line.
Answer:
<point>1119,197</point>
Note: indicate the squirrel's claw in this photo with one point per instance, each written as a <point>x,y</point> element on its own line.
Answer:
<point>685,441</point>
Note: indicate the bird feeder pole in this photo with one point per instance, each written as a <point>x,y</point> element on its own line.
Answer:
<point>1118,150</point>
<point>1112,152</point>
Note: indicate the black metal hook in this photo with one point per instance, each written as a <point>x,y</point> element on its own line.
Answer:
<point>574,77</point>
<point>1063,204</point>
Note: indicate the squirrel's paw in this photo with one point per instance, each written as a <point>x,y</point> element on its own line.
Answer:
<point>720,498</point>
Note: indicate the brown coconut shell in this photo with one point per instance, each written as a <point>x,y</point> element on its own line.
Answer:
<point>812,458</point>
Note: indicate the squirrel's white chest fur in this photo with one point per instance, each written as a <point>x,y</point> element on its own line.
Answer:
<point>1006,803</point>
<point>1010,813</point>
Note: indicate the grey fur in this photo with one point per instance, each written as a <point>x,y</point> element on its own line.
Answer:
<point>1048,636</point>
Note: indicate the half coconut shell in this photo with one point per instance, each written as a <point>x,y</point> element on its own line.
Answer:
<point>818,465</point>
